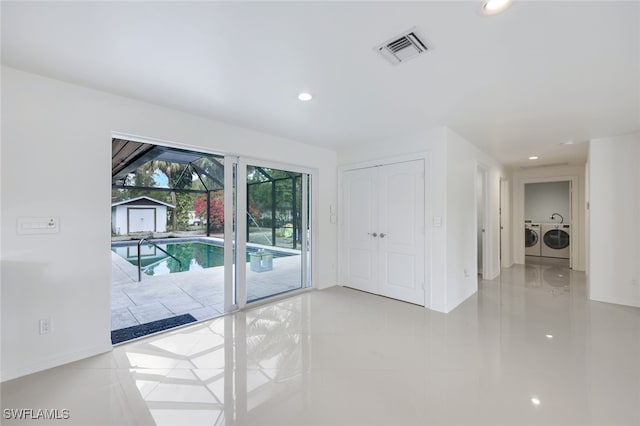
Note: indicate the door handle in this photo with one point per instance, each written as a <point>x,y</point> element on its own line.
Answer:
<point>382,235</point>
<point>372,234</point>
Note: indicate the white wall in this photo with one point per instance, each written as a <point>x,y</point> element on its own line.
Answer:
<point>431,143</point>
<point>614,231</point>
<point>451,195</point>
<point>115,221</point>
<point>161,218</point>
<point>49,125</point>
<point>121,220</point>
<point>587,223</point>
<point>480,208</point>
<point>578,204</point>
<point>506,207</point>
<point>463,160</point>
<point>541,200</point>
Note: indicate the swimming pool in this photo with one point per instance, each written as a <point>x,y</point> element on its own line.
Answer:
<point>193,256</point>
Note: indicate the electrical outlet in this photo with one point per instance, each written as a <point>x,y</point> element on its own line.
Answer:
<point>45,326</point>
<point>466,272</point>
<point>634,282</point>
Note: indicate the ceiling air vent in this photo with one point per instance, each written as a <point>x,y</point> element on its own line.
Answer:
<point>402,48</point>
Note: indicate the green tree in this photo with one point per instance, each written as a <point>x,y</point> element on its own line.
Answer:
<point>184,203</point>
<point>177,178</point>
<point>261,187</point>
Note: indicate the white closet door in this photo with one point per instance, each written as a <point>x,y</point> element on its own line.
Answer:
<point>360,245</point>
<point>401,231</point>
<point>384,230</point>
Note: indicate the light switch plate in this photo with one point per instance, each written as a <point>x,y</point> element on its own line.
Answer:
<point>38,225</point>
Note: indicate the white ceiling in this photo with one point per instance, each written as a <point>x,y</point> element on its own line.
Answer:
<point>515,84</point>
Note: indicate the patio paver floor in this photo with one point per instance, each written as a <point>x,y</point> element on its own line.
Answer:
<point>199,293</point>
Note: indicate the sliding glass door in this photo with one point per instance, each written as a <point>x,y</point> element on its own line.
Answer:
<point>195,235</point>
<point>273,231</point>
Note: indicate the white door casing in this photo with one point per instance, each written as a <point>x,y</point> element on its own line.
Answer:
<point>384,230</point>
<point>505,229</point>
<point>482,226</point>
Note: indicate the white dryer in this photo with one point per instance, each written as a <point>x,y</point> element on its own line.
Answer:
<point>532,237</point>
<point>556,239</point>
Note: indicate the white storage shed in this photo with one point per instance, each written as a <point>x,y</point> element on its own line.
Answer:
<point>140,214</point>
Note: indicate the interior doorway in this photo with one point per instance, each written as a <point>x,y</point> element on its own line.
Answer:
<point>481,219</point>
<point>548,221</point>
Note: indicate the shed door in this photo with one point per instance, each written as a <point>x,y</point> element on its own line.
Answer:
<point>141,219</point>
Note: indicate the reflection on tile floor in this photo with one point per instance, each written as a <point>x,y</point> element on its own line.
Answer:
<point>527,349</point>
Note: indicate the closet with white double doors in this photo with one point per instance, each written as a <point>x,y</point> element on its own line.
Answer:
<point>383,230</point>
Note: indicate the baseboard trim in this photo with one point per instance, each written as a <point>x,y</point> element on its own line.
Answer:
<point>5,375</point>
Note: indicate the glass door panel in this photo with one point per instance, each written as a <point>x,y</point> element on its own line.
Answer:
<point>276,231</point>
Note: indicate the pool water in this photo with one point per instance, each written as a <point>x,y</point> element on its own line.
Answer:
<point>193,256</point>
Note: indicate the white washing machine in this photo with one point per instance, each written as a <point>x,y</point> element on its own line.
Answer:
<point>532,237</point>
<point>556,239</point>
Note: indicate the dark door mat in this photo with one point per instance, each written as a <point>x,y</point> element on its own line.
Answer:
<point>124,334</point>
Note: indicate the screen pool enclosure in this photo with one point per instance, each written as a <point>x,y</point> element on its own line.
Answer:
<point>193,182</point>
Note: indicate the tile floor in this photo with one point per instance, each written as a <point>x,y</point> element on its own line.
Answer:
<point>199,293</point>
<point>527,349</point>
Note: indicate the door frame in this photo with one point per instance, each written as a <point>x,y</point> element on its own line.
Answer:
<point>483,171</point>
<point>307,269</point>
<point>519,217</point>
<point>505,223</point>
<point>232,202</point>
<point>427,212</point>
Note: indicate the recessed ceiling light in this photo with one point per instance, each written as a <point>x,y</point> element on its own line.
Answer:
<point>549,336</point>
<point>535,401</point>
<point>568,143</point>
<point>305,96</point>
<point>492,7</point>
<point>533,157</point>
